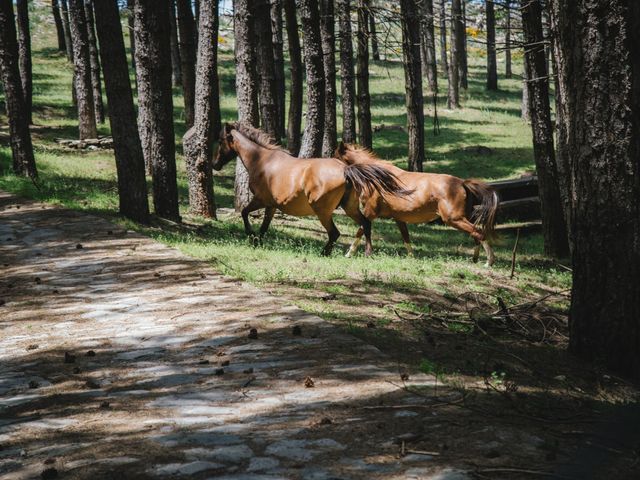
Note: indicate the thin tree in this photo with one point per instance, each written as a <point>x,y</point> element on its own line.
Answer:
<point>82,69</point>
<point>246,88</point>
<point>443,38</point>
<point>314,66</point>
<point>199,140</point>
<point>278,62</point>
<point>553,224</point>
<point>95,62</point>
<point>176,77</point>
<point>462,48</point>
<point>599,147</point>
<point>492,67</point>
<point>187,45</point>
<point>155,103</point>
<point>132,38</point>
<point>24,52</point>
<point>132,186</point>
<point>347,73</point>
<point>267,93</point>
<point>453,96</point>
<point>508,73</point>
<point>413,82</point>
<point>294,124</point>
<point>524,104</point>
<point>57,20</point>
<point>20,138</point>
<point>375,50</point>
<point>428,45</point>
<point>64,11</point>
<point>365,135</point>
<point>328,37</point>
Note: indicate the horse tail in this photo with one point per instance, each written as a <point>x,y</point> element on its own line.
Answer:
<point>482,207</point>
<point>367,177</point>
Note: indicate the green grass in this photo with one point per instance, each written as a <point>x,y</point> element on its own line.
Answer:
<point>289,263</point>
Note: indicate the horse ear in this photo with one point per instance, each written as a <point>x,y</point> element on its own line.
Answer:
<point>342,148</point>
<point>227,128</point>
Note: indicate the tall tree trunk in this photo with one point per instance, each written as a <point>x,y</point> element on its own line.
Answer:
<point>413,82</point>
<point>82,68</point>
<point>95,63</point>
<point>365,135</point>
<point>328,36</point>
<point>21,147</point>
<point>453,97</point>
<point>443,38</point>
<point>462,48</point>
<point>24,52</point>
<point>598,62</point>
<point>428,45</point>
<point>246,88</point>
<point>278,62</point>
<point>314,66</point>
<point>553,224</point>
<point>375,51</point>
<point>64,10</point>
<point>187,57</point>
<point>507,39</point>
<point>294,124</point>
<point>492,68</point>
<point>199,140</point>
<point>524,105</point>
<point>347,73</point>
<point>132,41</point>
<point>155,103</point>
<point>57,19</point>
<point>269,121</point>
<point>176,77</point>
<point>132,186</point>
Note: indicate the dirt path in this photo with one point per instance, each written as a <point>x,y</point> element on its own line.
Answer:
<point>122,358</point>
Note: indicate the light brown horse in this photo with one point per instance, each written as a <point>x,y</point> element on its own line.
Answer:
<point>301,186</point>
<point>467,205</point>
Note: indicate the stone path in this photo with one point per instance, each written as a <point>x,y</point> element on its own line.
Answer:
<point>123,358</point>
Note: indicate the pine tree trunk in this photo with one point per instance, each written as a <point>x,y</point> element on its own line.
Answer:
<point>365,135</point>
<point>246,88</point>
<point>347,73</point>
<point>453,97</point>
<point>64,10</point>
<point>508,73</point>
<point>328,36</point>
<point>95,63</point>
<point>132,186</point>
<point>553,224</point>
<point>269,121</point>
<point>598,66</point>
<point>152,29</point>
<point>176,77</point>
<point>428,45</point>
<point>462,48</point>
<point>375,52</point>
<point>82,67</point>
<point>199,141</point>
<point>443,38</point>
<point>132,42</point>
<point>57,19</point>
<point>24,52</point>
<point>492,68</point>
<point>294,124</point>
<point>524,105</point>
<point>413,82</point>
<point>20,137</point>
<point>278,59</point>
<point>187,45</point>
<point>313,59</point>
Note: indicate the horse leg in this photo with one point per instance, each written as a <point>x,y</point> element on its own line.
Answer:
<point>352,210</point>
<point>332,231</point>
<point>254,205</point>
<point>266,221</point>
<point>404,231</point>
<point>465,225</point>
<point>476,251</point>
<point>356,243</point>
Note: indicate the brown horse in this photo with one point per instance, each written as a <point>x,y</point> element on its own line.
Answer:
<point>300,187</point>
<point>467,205</point>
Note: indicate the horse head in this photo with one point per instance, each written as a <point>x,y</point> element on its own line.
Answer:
<point>226,147</point>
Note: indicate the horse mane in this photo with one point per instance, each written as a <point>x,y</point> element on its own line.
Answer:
<point>258,136</point>
<point>363,154</point>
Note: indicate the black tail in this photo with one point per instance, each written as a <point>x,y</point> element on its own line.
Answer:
<point>483,207</point>
<point>367,177</point>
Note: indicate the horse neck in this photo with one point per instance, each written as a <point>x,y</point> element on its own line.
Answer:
<point>249,152</point>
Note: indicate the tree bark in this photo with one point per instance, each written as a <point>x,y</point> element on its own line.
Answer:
<point>24,53</point>
<point>155,103</point>
<point>82,68</point>
<point>553,224</point>
<point>428,45</point>
<point>328,36</point>
<point>453,97</point>
<point>57,19</point>
<point>95,63</point>
<point>375,51</point>
<point>278,62</point>
<point>64,10</point>
<point>443,38</point>
<point>132,186</point>
<point>20,137</point>
<point>492,68</point>
<point>132,41</point>
<point>187,45</point>
<point>294,124</point>
<point>413,82</point>
<point>269,121</point>
<point>508,73</point>
<point>462,48</point>
<point>524,105</point>
<point>176,77</point>
<point>314,66</point>
<point>347,73</point>
<point>246,88</point>
<point>365,134</point>
<point>199,140</point>
<point>598,67</point>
